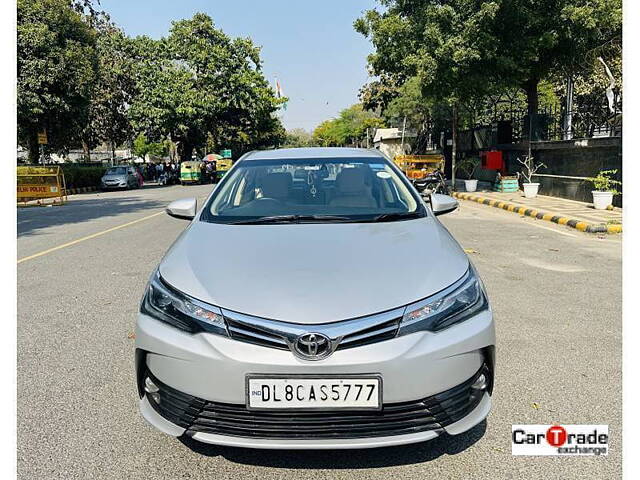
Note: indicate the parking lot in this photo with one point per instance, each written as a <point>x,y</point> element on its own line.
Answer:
<point>556,295</point>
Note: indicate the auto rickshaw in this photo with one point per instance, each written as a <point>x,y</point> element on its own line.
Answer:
<point>222,166</point>
<point>191,172</point>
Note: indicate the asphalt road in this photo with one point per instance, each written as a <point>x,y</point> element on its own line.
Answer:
<point>556,295</point>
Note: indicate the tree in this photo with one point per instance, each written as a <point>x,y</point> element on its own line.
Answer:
<point>198,83</point>
<point>350,128</point>
<point>461,49</point>
<point>56,70</point>
<point>142,148</point>
<point>298,137</point>
<point>112,92</point>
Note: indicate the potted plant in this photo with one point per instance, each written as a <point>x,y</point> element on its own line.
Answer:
<point>529,170</point>
<point>605,188</point>
<point>468,166</point>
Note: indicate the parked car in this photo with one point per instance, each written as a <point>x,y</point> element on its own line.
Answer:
<point>119,177</point>
<point>319,326</point>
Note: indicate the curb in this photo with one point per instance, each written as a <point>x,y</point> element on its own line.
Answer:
<point>540,215</point>
<point>73,191</point>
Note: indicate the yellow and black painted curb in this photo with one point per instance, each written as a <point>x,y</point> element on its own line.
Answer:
<point>540,215</point>
<point>73,191</point>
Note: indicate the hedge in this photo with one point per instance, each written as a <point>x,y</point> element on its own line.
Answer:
<point>78,176</point>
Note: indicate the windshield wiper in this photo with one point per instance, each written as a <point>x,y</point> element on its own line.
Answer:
<point>391,217</point>
<point>292,219</point>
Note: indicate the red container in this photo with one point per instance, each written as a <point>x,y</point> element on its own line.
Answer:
<point>493,161</point>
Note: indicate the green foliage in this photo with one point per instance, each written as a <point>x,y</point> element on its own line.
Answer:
<point>604,182</point>
<point>56,69</point>
<point>298,137</point>
<point>78,176</point>
<point>141,147</point>
<point>350,128</point>
<point>199,81</point>
<point>86,82</point>
<point>112,91</point>
<point>465,49</point>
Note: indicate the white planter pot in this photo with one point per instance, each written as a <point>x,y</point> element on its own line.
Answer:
<point>601,200</point>
<point>470,185</point>
<point>531,189</point>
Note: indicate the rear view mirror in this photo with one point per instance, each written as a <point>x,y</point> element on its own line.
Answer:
<point>441,204</point>
<point>185,208</point>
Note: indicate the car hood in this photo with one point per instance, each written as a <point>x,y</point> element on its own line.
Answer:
<point>115,177</point>
<point>314,273</point>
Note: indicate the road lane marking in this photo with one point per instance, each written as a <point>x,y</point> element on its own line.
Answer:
<point>88,237</point>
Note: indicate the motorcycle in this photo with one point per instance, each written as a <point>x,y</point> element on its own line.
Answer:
<point>433,182</point>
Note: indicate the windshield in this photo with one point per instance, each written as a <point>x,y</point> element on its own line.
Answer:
<point>312,190</point>
<point>117,171</point>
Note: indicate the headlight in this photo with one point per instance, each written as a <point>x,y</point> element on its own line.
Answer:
<point>179,310</point>
<point>453,305</point>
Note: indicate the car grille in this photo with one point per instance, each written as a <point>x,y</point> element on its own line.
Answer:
<point>247,333</point>
<point>377,333</point>
<point>273,334</point>
<point>431,413</point>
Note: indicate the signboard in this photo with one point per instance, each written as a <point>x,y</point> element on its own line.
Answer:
<point>42,138</point>
<point>38,191</point>
<point>226,153</point>
<point>35,183</point>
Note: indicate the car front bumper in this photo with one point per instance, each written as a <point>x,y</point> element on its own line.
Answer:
<point>425,375</point>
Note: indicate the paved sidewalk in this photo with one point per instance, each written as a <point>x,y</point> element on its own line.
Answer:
<point>575,214</point>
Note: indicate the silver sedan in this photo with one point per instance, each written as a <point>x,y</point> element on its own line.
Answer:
<point>333,310</point>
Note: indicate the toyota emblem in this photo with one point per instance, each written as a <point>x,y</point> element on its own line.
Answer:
<point>312,346</point>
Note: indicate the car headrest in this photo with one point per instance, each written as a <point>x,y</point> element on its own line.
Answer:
<point>350,180</point>
<point>276,185</point>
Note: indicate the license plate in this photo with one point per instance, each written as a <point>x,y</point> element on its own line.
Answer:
<point>319,393</point>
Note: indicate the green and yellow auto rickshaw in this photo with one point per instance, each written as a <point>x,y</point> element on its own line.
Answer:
<point>191,172</point>
<point>222,166</point>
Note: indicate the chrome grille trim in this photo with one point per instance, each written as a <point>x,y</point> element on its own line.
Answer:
<point>343,334</point>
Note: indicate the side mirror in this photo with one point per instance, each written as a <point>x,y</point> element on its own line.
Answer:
<point>441,204</point>
<point>185,208</point>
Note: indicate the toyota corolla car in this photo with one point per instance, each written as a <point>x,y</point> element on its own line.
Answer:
<point>337,311</point>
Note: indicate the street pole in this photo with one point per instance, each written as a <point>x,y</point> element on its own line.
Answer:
<point>404,126</point>
<point>568,134</point>
<point>453,147</point>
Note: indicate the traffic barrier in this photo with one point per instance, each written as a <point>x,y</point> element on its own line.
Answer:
<point>40,183</point>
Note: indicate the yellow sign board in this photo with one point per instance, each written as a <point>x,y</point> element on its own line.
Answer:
<point>42,138</point>
<point>36,183</point>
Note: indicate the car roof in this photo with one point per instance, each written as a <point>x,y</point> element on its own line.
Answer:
<point>312,152</point>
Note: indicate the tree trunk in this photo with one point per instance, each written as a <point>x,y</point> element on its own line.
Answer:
<point>86,150</point>
<point>34,149</point>
<point>185,149</point>
<point>531,88</point>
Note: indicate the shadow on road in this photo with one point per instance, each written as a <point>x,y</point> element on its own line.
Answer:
<point>344,459</point>
<point>81,210</point>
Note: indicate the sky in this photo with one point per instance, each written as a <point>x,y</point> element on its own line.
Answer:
<point>309,45</point>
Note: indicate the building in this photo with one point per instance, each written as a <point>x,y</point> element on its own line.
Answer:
<point>389,141</point>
